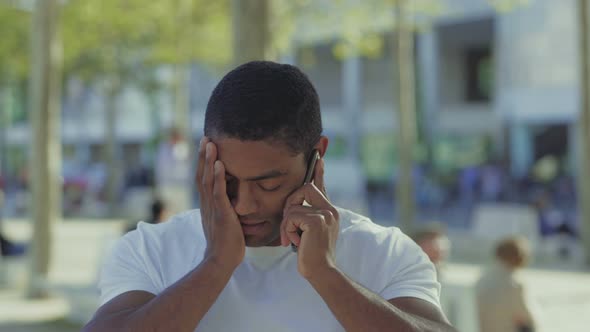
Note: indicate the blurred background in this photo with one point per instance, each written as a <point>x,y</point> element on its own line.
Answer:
<point>466,118</point>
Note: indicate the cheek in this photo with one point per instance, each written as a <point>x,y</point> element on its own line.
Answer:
<point>272,204</point>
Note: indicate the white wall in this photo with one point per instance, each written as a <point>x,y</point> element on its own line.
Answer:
<point>538,62</point>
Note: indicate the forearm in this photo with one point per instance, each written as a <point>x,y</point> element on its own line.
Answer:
<point>178,308</point>
<point>359,309</point>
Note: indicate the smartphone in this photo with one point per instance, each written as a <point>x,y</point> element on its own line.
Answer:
<point>313,159</point>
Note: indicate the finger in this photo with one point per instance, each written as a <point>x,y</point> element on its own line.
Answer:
<point>300,221</point>
<point>220,198</point>
<point>293,235</point>
<point>308,193</point>
<point>330,215</point>
<point>318,177</point>
<point>208,172</point>
<point>291,229</point>
<point>300,209</point>
<point>285,241</point>
<point>284,238</point>
<point>201,162</point>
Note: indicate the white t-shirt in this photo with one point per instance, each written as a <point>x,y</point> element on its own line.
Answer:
<point>266,292</point>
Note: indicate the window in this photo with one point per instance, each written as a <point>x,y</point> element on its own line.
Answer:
<point>479,71</point>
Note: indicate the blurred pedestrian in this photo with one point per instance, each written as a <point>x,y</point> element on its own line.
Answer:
<point>469,178</point>
<point>491,182</point>
<point>500,295</point>
<point>9,248</point>
<point>158,213</point>
<point>435,243</point>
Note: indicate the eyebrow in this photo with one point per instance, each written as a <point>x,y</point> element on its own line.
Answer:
<point>268,175</point>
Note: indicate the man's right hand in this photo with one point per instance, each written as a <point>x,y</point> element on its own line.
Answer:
<point>182,306</point>
<point>225,240</point>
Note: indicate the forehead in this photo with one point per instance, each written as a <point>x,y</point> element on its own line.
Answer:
<point>245,159</point>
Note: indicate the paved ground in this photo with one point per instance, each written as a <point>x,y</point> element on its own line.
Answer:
<point>48,326</point>
<point>563,297</point>
<point>77,250</point>
<point>20,315</point>
<point>559,300</point>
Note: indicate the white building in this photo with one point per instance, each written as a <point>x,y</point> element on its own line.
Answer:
<point>535,104</point>
<point>531,53</point>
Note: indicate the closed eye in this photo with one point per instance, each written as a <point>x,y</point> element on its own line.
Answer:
<point>269,189</point>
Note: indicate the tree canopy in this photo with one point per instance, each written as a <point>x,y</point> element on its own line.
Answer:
<point>123,37</point>
<point>15,25</point>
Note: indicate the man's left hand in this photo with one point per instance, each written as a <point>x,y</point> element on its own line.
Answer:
<point>318,224</point>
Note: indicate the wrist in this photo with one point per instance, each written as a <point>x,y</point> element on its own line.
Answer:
<point>219,264</point>
<point>322,273</point>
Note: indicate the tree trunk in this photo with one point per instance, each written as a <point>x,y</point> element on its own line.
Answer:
<point>46,149</point>
<point>181,116</point>
<point>584,129</point>
<point>181,119</point>
<point>111,151</point>
<point>406,130</point>
<point>250,30</point>
<point>3,134</point>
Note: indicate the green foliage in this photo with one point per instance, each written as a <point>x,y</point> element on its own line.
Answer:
<point>103,37</point>
<point>356,27</point>
<point>15,45</point>
<point>198,30</point>
<point>124,37</point>
<point>504,6</point>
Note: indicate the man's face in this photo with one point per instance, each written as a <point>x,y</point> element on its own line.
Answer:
<point>259,178</point>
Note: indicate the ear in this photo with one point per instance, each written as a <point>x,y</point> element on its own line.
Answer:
<point>322,145</point>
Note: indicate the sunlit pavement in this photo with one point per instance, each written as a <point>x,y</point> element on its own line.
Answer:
<point>562,299</point>
<point>559,300</point>
<point>78,248</point>
<point>20,315</point>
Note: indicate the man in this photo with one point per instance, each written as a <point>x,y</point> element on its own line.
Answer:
<point>435,244</point>
<point>8,248</point>
<point>230,266</point>
<point>500,295</point>
<point>158,212</point>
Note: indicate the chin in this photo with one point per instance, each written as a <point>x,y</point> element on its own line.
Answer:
<point>262,241</point>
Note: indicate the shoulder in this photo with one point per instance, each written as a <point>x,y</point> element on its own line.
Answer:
<point>360,230</point>
<point>360,237</point>
<point>152,257</point>
<point>351,222</point>
<point>183,228</point>
<point>154,248</point>
<point>384,259</point>
<point>188,221</point>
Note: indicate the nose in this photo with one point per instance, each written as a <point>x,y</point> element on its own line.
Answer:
<point>243,201</point>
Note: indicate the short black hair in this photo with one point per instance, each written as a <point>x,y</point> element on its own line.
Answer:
<point>264,100</point>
